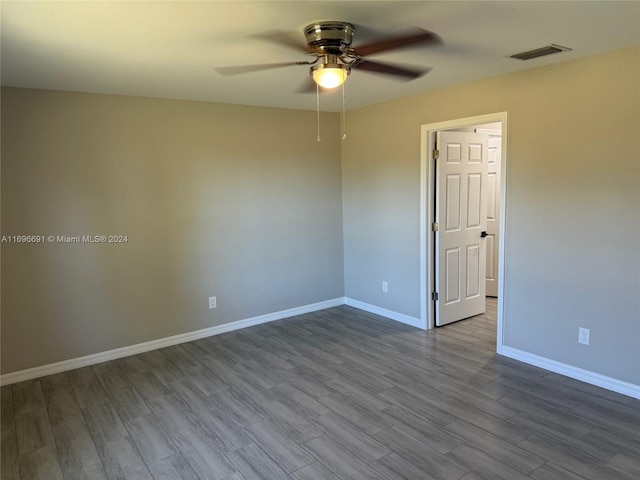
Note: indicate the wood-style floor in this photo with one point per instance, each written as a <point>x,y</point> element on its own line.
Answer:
<point>337,394</point>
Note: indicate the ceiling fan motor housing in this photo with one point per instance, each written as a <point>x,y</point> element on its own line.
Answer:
<point>331,37</point>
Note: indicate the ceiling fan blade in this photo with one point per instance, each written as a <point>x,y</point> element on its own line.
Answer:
<point>414,37</point>
<point>237,70</point>
<point>388,69</point>
<point>288,39</point>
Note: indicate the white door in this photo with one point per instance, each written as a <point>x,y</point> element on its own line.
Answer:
<point>493,213</point>
<point>461,215</point>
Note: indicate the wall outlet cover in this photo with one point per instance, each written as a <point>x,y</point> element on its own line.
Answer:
<point>584,335</point>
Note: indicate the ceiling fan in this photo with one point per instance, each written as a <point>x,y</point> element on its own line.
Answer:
<point>330,43</point>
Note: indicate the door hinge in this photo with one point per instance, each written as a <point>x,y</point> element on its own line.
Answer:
<point>435,227</point>
<point>436,154</point>
<point>434,296</point>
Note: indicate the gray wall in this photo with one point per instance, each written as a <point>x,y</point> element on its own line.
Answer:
<point>573,206</point>
<point>237,202</point>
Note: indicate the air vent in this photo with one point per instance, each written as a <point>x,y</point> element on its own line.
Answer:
<point>540,52</point>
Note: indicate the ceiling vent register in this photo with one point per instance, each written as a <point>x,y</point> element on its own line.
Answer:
<point>540,52</point>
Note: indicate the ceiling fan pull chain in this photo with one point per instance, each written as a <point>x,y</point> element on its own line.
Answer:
<point>344,117</point>
<point>318,110</point>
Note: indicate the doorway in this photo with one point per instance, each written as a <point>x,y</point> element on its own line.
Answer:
<point>428,215</point>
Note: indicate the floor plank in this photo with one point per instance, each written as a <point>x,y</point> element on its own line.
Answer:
<point>282,448</point>
<point>206,460</point>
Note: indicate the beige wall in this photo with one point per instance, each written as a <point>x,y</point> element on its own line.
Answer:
<point>573,206</point>
<point>237,202</point>
<point>242,203</point>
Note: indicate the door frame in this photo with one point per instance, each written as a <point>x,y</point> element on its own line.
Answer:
<point>427,215</point>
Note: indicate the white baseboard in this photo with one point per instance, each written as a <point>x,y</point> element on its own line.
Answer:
<point>586,376</point>
<point>383,312</point>
<point>71,364</point>
<point>603,381</point>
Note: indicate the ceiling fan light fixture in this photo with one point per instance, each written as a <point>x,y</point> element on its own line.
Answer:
<point>330,75</point>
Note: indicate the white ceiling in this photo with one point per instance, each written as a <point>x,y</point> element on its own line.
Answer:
<point>170,49</point>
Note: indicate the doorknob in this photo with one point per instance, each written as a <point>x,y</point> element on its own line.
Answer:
<point>483,234</point>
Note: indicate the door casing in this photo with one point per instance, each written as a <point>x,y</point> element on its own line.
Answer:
<point>427,206</point>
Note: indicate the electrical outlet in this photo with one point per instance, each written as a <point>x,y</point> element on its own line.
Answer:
<point>385,287</point>
<point>213,303</point>
<point>583,335</point>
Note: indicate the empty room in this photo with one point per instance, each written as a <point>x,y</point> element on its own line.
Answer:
<point>307,240</point>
